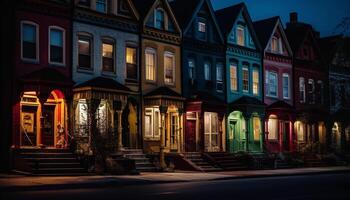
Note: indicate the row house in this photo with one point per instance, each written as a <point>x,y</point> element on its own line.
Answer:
<point>309,78</point>
<point>106,94</point>
<point>335,51</point>
<point>244,96</point>
<point>162,103</point>
<point>202,75</point>
<point>42,78</point>
<point>278,88</point>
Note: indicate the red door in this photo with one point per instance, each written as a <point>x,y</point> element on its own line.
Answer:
<point>190,138</point>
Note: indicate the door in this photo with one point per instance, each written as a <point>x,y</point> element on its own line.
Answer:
<point>286,137</point>
<point>48,134</point>
<point>211,132</point>
<point>28,126</point>
<point>190,137</point>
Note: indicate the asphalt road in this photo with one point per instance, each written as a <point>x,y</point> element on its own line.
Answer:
<point>327,186</point>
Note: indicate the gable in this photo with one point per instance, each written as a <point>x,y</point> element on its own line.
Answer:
<point>125,8</point>
<point>282,42</point>
<point>242,25</point>
<point>308,49</point>
<point>161,17</point>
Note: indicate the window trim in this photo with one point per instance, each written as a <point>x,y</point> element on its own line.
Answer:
<point>304,91</point>
<point>37,40</point>
<point>170,54</point>
<point>205,77</point>
<point>90,36</point>
<point>63,46</point>
<point>152,110</point>
<point>245,68</point>
<point>114,55</point>
<point>154,52</point>
<point>155,19</point>
<point>268,84</point>
<point>258,81</point>
<point>221,65</point>
<point>234,65</point>
<point>194,68</point>
<point>286,75</point>
<point>237,38</point>
<point>134,46</point>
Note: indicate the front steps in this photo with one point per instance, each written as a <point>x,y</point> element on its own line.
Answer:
<point>200,162</point>
<point>48,162</point>
<point>142,163</point>
<point>311,160</point>
<point>228,161</point>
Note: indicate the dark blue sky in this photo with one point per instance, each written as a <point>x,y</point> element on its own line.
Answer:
<point>324,15</point>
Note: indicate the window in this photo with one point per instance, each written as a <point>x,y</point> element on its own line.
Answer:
<point>302,89</point>
<point>255,82</point>
<point>257,128</point>
<point>131,63</point>
<point>150,64</point>
<point>202,28</point>
<point>273,128</point>
<point>286,89</point>
<point>233,77</point>
<point>56,45</point>
<point>211,131</point>
<point>245,79</point>
<point>271,83</point>
<point>169,68</point>
<point>207,69</point>
<point>311,83</point>
<point>30,46</point>
<point>219,77</point>
<point>101,6</point>
<point>300,129</point>
<point>240,36</point>
<point>107,56</point>
<point>159,19</point>
<point>191,69</point>
<point>152,123</point>
<point>84,51</point>
<point>274,44</point>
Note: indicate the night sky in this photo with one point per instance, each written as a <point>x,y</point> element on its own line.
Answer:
<point>324,15</point>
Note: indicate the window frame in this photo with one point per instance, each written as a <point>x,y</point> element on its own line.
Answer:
<point>154,52</point>
<point>257,93</point>
<point>172,55</point>
<point>245,68</point>
<point>240,28</point>
<point>207,71</point>
<point>106,6</point>
<point>302,80</point>
<point>218,81</point>
<point>234,65</point>
<point>63,46</point>
<point>87,35</point>
<point>105,40</point>
<point>37,56</point>
<point>155,19</point>
<point>128,64</point>
<point>193,75</point>
<point>286,75</point>
<point>151,111</point>
<point>312,91</point>
<point>268,84</point>
<point>202,35</point>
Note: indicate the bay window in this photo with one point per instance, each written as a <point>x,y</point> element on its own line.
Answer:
<point>169,68</point>
<point>152,123</point>
<point>131,63</point>
<point>57,38</point>
<point>30,41</point>
<point>108,47</point>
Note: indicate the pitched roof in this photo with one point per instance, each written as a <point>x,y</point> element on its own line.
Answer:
<point>296,33</point>
<point>183,9</point>
<point>328,46</point>
<point>227,17</point>
<point>163,91</point>
<point>102,82</point>
<point>143,6</point>
<point>264,29</point>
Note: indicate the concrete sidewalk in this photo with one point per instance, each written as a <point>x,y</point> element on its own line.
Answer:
<point>20,183</point>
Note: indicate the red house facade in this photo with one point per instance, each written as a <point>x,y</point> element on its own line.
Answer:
<point>42,75</point>
<point>278,95</point>
<point>310,79</point>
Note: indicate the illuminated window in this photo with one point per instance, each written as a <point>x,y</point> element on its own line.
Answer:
<point>102,118</point>
<point>108,56</point>
<point>159,19</point>
<point>81,119</point>
<point>131,63</point>
<point>286,87</point>
<point>219,77</point>
<point>57,45</point>
<point>300,129</point>
<point>245,79</point>
<point>271,83</point>
<point>302,89</point>
<point>84,51</point>
<point>207,71</point>
<point>169,65</point>
<point>255,82</point>
<point>101,6</point>
<point>211,131</point>
<point>202,29</point>
<point>150,64</point>
<point>29,36</point>
<point>275,45</point>
<point>240,36</point>
<point>152,123</point>
<point>273,128</point>
<point>191,69</point>
<point>257,128</point>
<point>233,77</point>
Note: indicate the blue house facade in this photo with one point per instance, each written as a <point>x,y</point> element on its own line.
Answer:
<point>203,61</point>
<point>244,90</point>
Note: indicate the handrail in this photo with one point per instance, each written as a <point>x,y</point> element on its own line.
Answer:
<point>26,134</point>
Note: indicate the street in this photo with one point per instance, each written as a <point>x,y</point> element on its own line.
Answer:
<point>326,186</point>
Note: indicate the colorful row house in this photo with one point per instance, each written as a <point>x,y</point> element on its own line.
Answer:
<point>202,76</point>
<point>309,79</point>
<point>244,91</point>
<point>278,88</point>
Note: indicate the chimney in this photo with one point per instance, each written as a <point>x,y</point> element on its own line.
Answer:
<point>293,17</point>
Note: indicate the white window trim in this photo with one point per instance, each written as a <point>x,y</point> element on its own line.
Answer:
<point>285,75</point>
<point>170,54</point>
<point>91,51</point>
<point>246,68</point>
<point>234,65</point>
<point>153,110</point>
<point>243,30</point>
<point>37,41</point>
<point>63,46</point>
<point>114,56</point>
<point>221,65</point>
<point>201,25</point>
<point>258,92</point>
<point>154,52</point>
<point>268,84</point>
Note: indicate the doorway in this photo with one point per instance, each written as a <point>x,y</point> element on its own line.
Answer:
<point>190,138</point>
<point>286,136</point>
<point>48,134</point>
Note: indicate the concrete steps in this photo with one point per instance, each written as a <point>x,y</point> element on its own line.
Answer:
<point>228,161</point>
<point>200,162</point>
<point>142,163</point>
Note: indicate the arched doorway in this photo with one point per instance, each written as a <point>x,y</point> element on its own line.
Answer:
<point>43,124</point>
<point>130,124</point>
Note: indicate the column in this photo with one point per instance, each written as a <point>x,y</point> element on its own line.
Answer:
<point>118,106</point>
<point>262,133</point>
<point>180,130</point>
<point>42,96</point>
<point>163,111</point>
<point>247,122</point>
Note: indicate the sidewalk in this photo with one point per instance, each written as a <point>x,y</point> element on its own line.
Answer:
<point>20,183</point>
